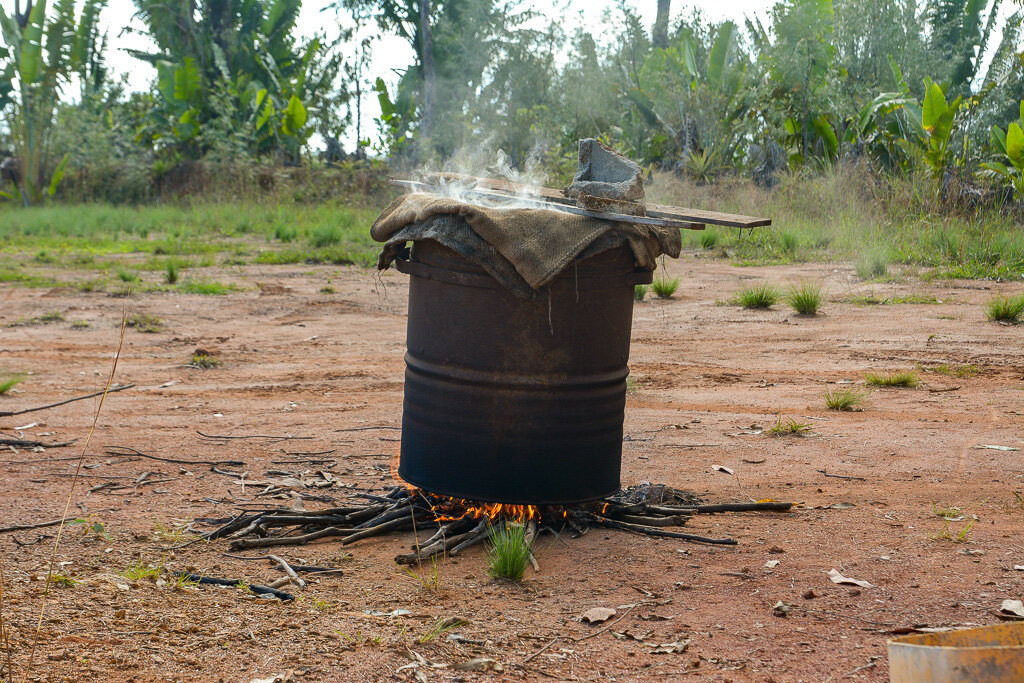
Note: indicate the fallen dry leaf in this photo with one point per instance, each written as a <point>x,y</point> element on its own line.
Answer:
<point>772,564</point>
<point>839,578</point>
<point>677,647</point>
<point>598,614</point>
<point>721,468</point>
<point>994,447</point>
<point>1012,609</point>
<point>479,664</point>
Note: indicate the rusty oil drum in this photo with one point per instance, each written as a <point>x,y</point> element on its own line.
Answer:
<point>516,401</point>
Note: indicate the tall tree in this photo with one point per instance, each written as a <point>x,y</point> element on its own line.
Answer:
<point>429,81</point>
<point>659,36</point>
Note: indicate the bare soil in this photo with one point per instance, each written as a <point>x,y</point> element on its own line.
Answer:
<point>711,379</point>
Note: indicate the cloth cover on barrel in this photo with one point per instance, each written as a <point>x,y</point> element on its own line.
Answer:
<point>516,246</point>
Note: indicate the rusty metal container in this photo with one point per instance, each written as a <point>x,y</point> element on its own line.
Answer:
<point>516,401</point>
<point>991,654</point>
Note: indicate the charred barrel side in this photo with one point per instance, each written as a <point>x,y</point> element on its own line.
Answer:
<point>513,401</point>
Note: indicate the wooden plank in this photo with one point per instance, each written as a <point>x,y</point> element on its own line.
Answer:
<point>565,208</point>
<point>652,210</point>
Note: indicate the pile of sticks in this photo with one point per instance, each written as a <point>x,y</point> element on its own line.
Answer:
<point>449,526</point>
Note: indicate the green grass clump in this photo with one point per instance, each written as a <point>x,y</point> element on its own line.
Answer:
<point>510,553</point>
<point>9,381</point>
<point>144,322</point>
<point>709,239</point>
<point>171,271</point>
<point>805,299</point>
<point>872,265</point>
<point>51,317</point>
<point>1005,309</point>
<point>80,324</point>
<point>208,287</point>
<point>665,288</point>
<point>843,399</point>
<point>204,361</point>
<point>285,233</point>
<point>138,570</point>
<point>902,378</point>
<point>326,236</point>
<point>965,371</point>
<point>789,241</point>
<point>639,292</point>
<point>127,276</point>
<point>758,296</point>
<point>790,426</point>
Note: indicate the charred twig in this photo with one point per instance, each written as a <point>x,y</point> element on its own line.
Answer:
<point>111,390</point>
<point>654,531</point>
<point>841,476</point>
<point>27,527</point>
<point>366,429</point>
<point>222,437</point>
<point>132,452</point>
<point>243,543</point>
<point>238,583</point>
<point>23,443</point>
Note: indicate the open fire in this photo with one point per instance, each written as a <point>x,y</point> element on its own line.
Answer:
<point>445,525</point>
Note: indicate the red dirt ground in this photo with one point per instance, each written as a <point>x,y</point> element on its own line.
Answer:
<point>710,379</point>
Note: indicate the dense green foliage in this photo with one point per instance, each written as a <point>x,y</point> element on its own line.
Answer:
<point>891,128</point>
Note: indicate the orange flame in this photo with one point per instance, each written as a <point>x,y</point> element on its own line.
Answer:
<point>447,509</point>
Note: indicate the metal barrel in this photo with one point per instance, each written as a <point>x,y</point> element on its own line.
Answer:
<point>516,401</point>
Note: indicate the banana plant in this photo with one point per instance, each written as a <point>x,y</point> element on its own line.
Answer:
<point>36,62</point>
<point>235,64</point>
<point>1010,143</point>
<point>715,82</point>
<point>937,118</point>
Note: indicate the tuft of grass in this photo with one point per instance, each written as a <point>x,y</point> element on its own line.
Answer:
<point>950,513</point>
<point>285,233</point>
<point>138,571</point>
<point>872,265</point>
<point>51,317</point>
<point>80,324</point>
<point>805,298</point>
<point>441,627</point>
<point>758,296</point>
<point>208,287</point>
<point>639,292</point>
<point>9,381</point>
<point>64,581</point>
<point>204,361</point>
<point>144,322</point>
<point>843,399</point>
<point>326,236</point>
<point>965,371</point>
<point>510,553</point>
<point>323,605</point>
<point>789,241</point>
<point>901,378</point>
<point>709,239</point>
<point>1005,309</point>
<point>790,426</point>
<point>171,271</point>
<point>127,276</point>
<point>951,535</point>
<point>664,287</point>
<point>430,580</point>
<point>327,290</point>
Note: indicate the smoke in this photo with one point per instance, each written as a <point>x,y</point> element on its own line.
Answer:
<point>465,173</point>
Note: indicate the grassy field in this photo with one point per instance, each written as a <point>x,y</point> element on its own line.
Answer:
<point>888,232</point>
<point>101,247</point>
